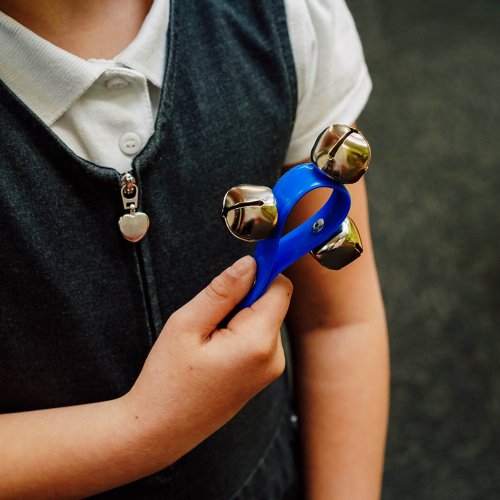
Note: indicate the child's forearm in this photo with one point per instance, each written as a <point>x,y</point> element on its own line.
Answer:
<point>71,452</point>
<point>342,379</point>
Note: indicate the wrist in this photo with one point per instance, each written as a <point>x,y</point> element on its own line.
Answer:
<point>142,432</point>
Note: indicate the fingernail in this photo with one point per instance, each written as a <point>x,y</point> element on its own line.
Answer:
<point>241,266</point>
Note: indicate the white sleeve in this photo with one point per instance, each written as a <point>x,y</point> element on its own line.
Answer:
<point>332,78</point>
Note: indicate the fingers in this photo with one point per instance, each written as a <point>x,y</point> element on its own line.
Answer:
<point>203,313</point>
<point>267,313</point>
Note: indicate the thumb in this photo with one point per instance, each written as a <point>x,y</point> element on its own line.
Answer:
<point>206,310</point>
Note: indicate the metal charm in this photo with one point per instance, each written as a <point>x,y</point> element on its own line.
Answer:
<point>342,152</point>
<point>133,225</point>
<point>341,249</point>
<point>250,212</point>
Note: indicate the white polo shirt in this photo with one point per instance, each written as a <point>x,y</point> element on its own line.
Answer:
<point>105,110</point>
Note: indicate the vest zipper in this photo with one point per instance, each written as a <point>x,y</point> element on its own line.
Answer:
<point>134,225</point>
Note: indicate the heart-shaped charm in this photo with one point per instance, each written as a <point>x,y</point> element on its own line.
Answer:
<point>134,226</point>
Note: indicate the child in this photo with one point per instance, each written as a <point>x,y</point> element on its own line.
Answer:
<point>113,377</point>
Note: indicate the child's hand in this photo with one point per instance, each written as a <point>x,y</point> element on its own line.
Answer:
<point>194,380</point>
<point>197,376</point>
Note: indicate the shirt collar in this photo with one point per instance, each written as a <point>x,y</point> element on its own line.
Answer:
<point>49,80</point>
<point>146,53</point>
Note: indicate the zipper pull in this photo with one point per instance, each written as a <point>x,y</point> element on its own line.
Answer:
<point>133,225</point>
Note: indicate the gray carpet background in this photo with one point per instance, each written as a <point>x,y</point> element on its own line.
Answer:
<point>433,124</point>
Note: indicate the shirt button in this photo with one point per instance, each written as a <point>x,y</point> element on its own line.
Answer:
<point>116,83</point>
<point>130,143</point>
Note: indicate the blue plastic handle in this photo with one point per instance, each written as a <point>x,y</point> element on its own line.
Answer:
<point>276,253</point>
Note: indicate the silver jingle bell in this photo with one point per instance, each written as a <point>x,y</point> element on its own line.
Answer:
<point>250,212</point>
<point>342,152</point>
<point>341,249</point>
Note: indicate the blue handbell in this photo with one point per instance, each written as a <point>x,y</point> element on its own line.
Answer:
<point>340,155</point>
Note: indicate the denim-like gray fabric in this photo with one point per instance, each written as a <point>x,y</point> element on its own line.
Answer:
<point>81,307</point>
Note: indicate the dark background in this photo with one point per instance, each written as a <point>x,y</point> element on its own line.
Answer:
<point>434,186</point>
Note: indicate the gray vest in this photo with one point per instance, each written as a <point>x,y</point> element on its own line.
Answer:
<point>80,306</point>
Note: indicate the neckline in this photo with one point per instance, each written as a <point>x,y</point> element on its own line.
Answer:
<point>39,129</point>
